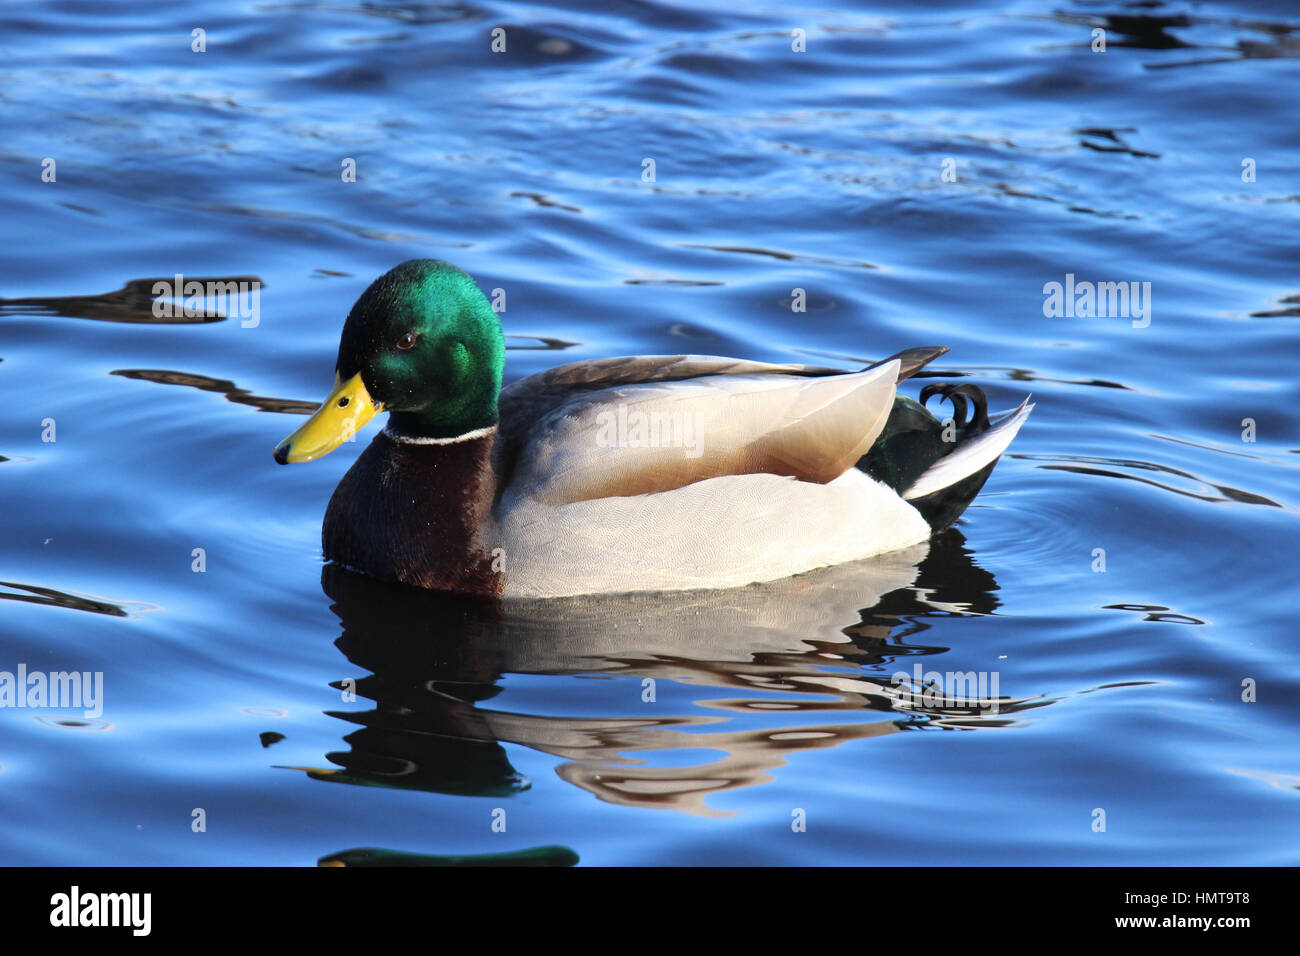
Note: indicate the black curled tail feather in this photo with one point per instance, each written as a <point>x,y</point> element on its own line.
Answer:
<point>913,439</point>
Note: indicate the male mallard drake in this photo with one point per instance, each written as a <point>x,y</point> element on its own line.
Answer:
<point>644,473</point>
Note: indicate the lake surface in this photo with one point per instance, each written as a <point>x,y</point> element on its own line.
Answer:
<point>1128,575</point>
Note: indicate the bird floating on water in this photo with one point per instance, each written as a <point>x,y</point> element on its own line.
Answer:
<point>638,473</point>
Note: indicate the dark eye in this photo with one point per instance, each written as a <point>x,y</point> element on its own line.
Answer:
<point>407,341</point>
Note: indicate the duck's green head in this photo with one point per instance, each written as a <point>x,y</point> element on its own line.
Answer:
<point>421,343</point>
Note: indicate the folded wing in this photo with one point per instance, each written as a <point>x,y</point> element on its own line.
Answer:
<point>651,436</point>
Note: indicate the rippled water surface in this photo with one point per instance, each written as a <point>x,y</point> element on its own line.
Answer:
<point>1128,574</point>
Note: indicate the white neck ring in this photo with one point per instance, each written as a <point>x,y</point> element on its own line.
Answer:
<point>421,440</point>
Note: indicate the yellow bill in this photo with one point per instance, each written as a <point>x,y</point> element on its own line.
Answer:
<point>339,418</point>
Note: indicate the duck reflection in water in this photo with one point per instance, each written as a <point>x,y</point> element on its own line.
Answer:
<point>719,671</point>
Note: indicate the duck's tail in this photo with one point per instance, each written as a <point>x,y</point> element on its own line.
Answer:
<point>940,466</point>
<point>943,490</point>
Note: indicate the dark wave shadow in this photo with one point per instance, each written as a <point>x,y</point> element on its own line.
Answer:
<point>52,597</point>
<point>222,386</point>
<point>1152,32</point>
<point>1008,372</point>
<point>1088,465</point>
<point>374,856</point>
<point>1288,307</point>
<point>288,406</point>
<point>133,303</point>
<point>544,344</point>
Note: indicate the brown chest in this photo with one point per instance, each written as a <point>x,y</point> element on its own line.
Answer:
<point>417,514</point>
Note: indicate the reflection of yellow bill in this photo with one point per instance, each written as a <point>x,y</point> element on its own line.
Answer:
<point>339,418</point>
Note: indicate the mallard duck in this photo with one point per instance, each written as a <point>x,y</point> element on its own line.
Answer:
<point>644,473</point>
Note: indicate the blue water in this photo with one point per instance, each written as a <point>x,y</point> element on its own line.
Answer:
<point>774,170</point>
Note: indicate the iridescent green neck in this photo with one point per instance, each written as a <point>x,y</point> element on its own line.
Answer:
<point>472,407</point>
